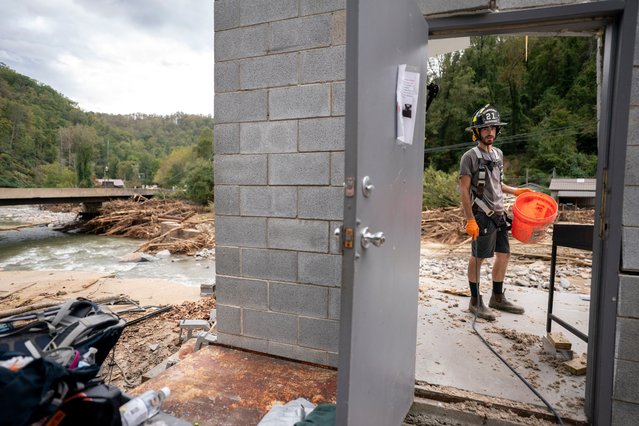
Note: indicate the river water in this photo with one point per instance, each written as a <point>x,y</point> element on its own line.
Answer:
<point>42,248</point>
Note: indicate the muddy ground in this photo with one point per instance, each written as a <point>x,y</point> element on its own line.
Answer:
<point>153,340</point>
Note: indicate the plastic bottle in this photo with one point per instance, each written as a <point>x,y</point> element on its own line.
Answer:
<point>143,407</point>
<point>88,358</point>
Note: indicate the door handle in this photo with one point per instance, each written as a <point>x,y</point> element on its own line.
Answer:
<point>368,238</point>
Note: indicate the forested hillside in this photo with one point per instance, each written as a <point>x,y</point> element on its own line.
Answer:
<point>47,141</point>
<point>546,93</point>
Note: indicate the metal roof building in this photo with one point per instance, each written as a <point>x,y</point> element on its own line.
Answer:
<point>577,191</point>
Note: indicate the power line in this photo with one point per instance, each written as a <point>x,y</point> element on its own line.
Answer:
<point>512,139</point>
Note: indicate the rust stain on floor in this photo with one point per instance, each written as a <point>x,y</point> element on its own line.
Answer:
<point>224,386</point>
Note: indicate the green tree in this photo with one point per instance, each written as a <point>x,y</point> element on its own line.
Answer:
<point>199,182</point>
<point>80,141</point>
<point>204,148</point>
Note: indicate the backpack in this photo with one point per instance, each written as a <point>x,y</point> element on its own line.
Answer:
<point>55,382</point>
<point>58,334</point>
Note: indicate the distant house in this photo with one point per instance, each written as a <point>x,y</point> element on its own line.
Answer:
<point>579,192</point>
<point>109,183</point>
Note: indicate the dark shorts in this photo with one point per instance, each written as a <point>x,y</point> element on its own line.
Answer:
<point>493,236</point>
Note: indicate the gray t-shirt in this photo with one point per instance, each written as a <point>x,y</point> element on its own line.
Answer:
<point>469,166</point>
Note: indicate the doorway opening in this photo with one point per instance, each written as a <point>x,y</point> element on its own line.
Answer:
<point>578,397</point>
<point>550,139</point>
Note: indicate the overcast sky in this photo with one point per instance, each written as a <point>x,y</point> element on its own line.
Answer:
<point>115,56</point>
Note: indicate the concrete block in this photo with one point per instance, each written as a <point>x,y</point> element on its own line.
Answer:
<point>308,300</point>
<point>312,7</point>
<point>334,303</point>
<point>338,28</point>
<point>628,305</point>
<point>298,169</point>
<point>630,249</point>
<point>335,247</point>
<point>271,201</point>
<point>226,138</point>
<point>319,65</point>
<point>240,231</point>
<point>633,123</point>
<point>299,102</point>
<point>226,14</point>
<point>338,98</point>
<point>320,269</point>
<point>303,235</point>
<point>241,292</point>
<point>269,264</point>
<point>240,169</point>
<point>630,206</point>
<point>298,353</point>
<point>627,339</point>
<point>227,76</point>
<point>333,359</point>
<point>229,319</point>
<point>322,134</point>
<point>337,169</point>
<point>238,107</point>
<point>270,326</point>
<point>636,55</point>
<point>447,7</point>
<point>268,137</point>
<point>300,33</point>
<point>241,43</point>
<point>519,4</point>
<point>321,203</point>
<point>632,165</point>
<point>258,11</point>
<point>625,386</point>
<point>634,92</point>
<point>268,71</point>
<point>624,413</point>
<point>319,334</point>
<point>227,200</point>
<point>252,344</point>
<point>227,260</point>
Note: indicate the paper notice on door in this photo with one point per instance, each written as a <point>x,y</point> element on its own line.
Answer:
<point>407,95</point>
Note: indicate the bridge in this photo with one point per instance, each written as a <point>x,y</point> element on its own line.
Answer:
<point>90,197</point>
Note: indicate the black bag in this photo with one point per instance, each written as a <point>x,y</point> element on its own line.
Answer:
<point>36,390</point>
<point>78,324</point>
<point>98,405</point>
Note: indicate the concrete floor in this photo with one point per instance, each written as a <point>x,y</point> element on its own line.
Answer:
<point>450,354</point>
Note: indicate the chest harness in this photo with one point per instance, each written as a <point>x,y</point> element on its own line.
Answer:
<point>485,166</point>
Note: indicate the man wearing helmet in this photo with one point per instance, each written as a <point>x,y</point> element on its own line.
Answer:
<point>482,195</point>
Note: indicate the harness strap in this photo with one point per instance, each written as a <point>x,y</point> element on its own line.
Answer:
<point>483,206</point>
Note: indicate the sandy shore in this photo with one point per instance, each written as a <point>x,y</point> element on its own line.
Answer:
<point>20,288</point>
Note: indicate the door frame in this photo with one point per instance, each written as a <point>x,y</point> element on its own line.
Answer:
<point>619,20</point>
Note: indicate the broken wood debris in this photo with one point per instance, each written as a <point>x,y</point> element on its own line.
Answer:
<point>143,220</point>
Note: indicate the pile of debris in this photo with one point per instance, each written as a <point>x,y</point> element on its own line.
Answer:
<point>446,225</point>
<point>173,225</point>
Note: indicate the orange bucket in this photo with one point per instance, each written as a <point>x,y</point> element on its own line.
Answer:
<point>533,212</point>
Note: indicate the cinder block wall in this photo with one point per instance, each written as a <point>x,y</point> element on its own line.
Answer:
<point>626,390</point>
<point>279,166</point>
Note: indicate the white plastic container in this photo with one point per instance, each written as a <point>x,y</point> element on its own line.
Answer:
<point>143,407</point>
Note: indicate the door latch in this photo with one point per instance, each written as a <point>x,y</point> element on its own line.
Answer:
<point>344,237</point>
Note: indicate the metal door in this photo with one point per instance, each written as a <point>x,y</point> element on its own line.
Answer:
<point>383,194</point>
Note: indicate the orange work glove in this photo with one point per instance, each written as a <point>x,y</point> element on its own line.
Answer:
<point>520,191</point>
<point>472,228</point>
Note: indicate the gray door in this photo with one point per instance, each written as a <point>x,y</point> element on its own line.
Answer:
<point>378,323</point>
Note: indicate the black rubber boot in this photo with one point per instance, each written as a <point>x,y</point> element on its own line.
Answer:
<point>504,304</point>
<point>482,310</point>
